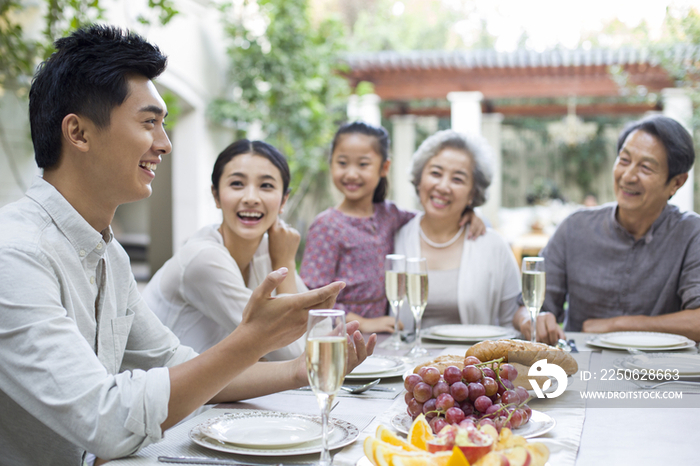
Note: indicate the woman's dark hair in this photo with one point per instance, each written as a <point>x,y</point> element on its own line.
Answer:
<point>381,147</point>
<point>245,146</point>
<point>678,143</point>
<point>86,75</point>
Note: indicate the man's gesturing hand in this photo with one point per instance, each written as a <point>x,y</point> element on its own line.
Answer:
<point>279,321</point>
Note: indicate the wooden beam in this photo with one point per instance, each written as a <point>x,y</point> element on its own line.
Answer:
<point>552,110</point>
<point>495,83</point>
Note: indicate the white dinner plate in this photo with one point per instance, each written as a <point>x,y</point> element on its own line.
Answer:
<point>264,430</point>
<point>598,341</point>
<point>376,365</point>
<point>687,365</point>
<point>467,333</point>
<point>395,368</point>
<point>643,339</point>
<point>539,424</point>
<point>343,433</point>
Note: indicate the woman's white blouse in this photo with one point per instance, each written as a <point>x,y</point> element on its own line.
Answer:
<point>200,293</point>
<point>488,277</point>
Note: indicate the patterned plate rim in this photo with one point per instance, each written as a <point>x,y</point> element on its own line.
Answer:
<point>398,422</point>
<point>343,434</point>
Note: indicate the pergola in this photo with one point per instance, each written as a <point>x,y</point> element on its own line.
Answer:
<point>411,76</point>
<point>476,89</point>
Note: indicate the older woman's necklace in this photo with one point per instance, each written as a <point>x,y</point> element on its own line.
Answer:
<point>440,245</point>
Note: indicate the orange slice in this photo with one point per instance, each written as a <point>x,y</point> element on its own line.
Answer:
<point>367,446</point>
<point>457,458</point>
<point>386,435</point>
<point>422,459</point>
<point>421,433</point>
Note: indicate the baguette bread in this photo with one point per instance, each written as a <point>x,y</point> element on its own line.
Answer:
<point>523,352</point>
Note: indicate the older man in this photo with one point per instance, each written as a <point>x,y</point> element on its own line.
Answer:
<point>633,264</point>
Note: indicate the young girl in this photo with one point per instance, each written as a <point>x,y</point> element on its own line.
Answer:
<point>349,242</point>
<point>202,291</point>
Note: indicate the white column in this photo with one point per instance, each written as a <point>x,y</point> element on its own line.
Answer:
<point>193,156</point>
<point>677,105</point>
<point>491,130</point>
<point>466,111</point>
<point>365,108</point>
<point>403,146</point>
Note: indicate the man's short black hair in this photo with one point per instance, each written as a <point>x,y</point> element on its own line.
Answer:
<point>87,75</point>
<point>674,137</point>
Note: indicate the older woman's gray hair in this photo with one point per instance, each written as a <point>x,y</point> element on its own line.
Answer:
<point>474,145</point>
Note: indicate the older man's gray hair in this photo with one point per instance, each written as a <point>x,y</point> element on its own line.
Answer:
<point>476,146</point>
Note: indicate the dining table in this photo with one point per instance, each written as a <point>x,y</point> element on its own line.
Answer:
<point>586,432</point>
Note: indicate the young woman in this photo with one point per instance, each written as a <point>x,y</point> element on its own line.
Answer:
<point>200,293</point>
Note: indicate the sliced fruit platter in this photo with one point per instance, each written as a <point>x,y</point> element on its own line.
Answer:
<point>458,445</point>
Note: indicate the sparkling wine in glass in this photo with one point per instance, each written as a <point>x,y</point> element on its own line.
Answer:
<point>326,359</point>
<point>533,289</point>
<point>417,292</point>
<point>395,285</point>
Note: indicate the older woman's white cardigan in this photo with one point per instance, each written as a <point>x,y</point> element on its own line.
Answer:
<point>488,275</point>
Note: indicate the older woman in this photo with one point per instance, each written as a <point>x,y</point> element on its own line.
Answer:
<point>471,282</point>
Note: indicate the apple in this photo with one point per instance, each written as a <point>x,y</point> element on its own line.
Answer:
<point>474,452</point>
<point>434,447</point>
<point>518,456</point>
<point>489,430</point>
<point>494,459</point>
<point>474,444</point>
<point>539,453</point>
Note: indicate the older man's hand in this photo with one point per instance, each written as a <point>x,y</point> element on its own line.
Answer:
<point>548,331</point>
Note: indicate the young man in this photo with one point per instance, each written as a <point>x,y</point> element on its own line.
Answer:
<point>84,364</point>
<point>633,264</point>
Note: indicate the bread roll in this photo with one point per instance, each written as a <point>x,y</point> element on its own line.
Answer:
<point>523,352</point>
<point>442,362</point>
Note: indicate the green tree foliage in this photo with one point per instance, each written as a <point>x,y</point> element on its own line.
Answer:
<point>680,53</point>
<point>284,74</point>
<point>21,52</point>
<point>376,25</point>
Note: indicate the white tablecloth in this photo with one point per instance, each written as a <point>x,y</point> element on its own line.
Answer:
<point>583,436</point>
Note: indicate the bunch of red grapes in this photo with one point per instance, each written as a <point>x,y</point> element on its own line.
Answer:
<point>481,393</point>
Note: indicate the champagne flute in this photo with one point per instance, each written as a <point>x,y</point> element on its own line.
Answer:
<point>417,292</point>
<point>326,359</point>
<point>533,289</point>
<point>395,285</point>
